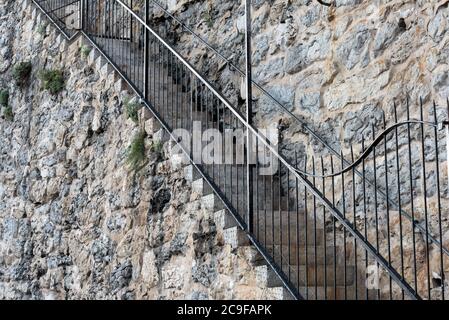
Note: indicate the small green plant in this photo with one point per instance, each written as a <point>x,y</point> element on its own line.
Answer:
<point>21,72</point>
<point>132,109</point>
<point>136,152</point>
<point>52,80</point>
<point>4,97</point>
<point>8,113</point>
<point>156,147</point>
<point>84,51</point>
<point>42,29</point>
<point>207,16</point>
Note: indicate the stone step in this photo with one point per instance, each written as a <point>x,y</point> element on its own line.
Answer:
<point>235,237</point>
<point>211,202</point>
<point>121,85</point>
<point>161,136</point>
<point>99,63</point>
<point>300,256</point>
<point>201,187</point>
<point>191,174</point>
<point>152,125</point>
<point>276,293</point>
<point>267,278</point>
<point>337,293</point>
<point>287,220</point>
<point>316,275</point>
<point>92,57</point>
<point>224,220</point>
<point>279,235</point>
<point>106,70</point>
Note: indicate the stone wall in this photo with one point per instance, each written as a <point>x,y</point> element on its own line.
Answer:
<point>338,68</point>
<point>75,222</point>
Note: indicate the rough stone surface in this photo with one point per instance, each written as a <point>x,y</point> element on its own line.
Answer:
<point>75,222</point>
<point>338,69</point>
<point>339,59</point>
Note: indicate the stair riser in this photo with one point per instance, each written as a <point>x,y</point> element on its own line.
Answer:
<point>269,238</point>
<point>316,276</point>
<point>298,255</point>
<point>338,293</point>
<point>235,237</point>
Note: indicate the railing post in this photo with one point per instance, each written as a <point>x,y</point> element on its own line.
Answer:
<point>82,22</point>
<point>131,23</point>
<point>446,124</point>
<point>249,111</point>
<point>147,51</point>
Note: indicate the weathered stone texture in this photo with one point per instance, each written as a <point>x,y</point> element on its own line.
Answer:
<point>75,223</point>
<point>339,59</point>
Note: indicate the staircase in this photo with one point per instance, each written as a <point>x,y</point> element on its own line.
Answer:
<point>309,246</point>
<point>305,260</point>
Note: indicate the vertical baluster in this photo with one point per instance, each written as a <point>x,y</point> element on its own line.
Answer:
<point>298,250</point>
<point>280,211</point>
<point>355,224</point>
<point>437,172</point>
<point>288,225</point>
<point>398,180</point>
<point>365,222</point>
<point>315,231</point>
<point>334,229</point>
<point>376,212</point>
<point>323,186</point>
<point>225,148</point>
<point>424,178</point>
<point>257,216</point>
<point>344,230</point>
<point>147,52</point>
<point>192,119</point>
<point>387,205</point>
<point>412,200</point>
<point>306,236</point>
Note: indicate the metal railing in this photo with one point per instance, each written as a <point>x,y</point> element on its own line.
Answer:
<point>65,15</point>
<point>374,228</point>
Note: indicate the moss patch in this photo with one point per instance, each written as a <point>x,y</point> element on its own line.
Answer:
<point>52,80</point>
<point>4,97</point>
<point>136,152</point>
<point>21,73</point>
<point>132,110</point>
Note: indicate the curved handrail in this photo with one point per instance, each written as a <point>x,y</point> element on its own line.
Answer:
<point>308,185</point>
<point>302,178</point>
<point>367,151</point>
<point>365,155</point>
<point>327,4</point>
<point>257,85</point>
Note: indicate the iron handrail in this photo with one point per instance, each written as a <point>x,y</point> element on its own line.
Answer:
<point>348,226</point>
<point>52,20</point>
<point>349,166</point>
<point>310,187</point>
<point>256,84</point>
<point>380,137</point>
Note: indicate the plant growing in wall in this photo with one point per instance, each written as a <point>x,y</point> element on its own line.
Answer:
<point>207,16</point>
<point>4,103</point>
<point>42,29</point>
<point>52,80</point>
<point>4,98</point>
<point>132,109</point>
<point>21,73</point>
<point>84,51</point>
<point>136,152</point>
<point>156,147</point>
<point>8,114</point>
